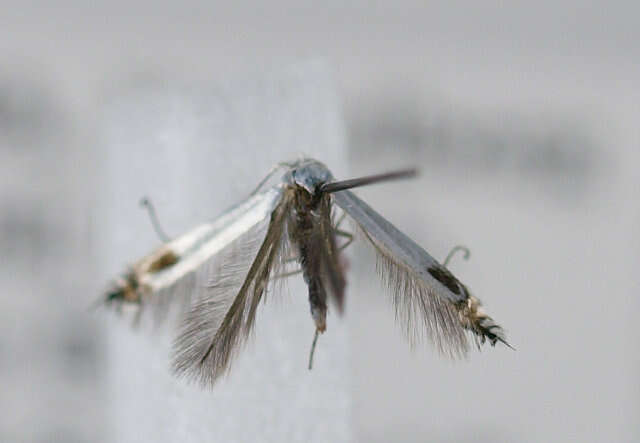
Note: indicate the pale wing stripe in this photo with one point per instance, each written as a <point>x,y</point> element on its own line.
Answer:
<point>181,245</point>
<point>214,237</point>
<point>177,247</point>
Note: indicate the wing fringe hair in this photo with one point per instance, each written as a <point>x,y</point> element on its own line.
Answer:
<point>425,313</point>
<point>418,307</point>
<point>221,320</point>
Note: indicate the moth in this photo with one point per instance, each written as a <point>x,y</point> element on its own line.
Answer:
<point>223,269</point>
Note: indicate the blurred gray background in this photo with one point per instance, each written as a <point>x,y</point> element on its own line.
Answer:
<point>523,119</point>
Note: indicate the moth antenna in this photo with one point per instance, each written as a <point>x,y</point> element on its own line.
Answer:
<point>313,349</point>
<point>268,176</point>
<point>146,203</point>
<point>453,251</point>
<point>368,180</point>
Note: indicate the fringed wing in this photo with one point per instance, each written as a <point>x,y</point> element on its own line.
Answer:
<point>222,318</point>
<point>136,286</point>
<point>179,270</point>
<point>426,296</point>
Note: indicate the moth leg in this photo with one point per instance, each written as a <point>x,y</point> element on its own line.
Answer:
<point>453,251</point>
<point>342,233</point>
<point>340,220</point>
<point>313,348</point>
<point>347,235</point>
<point>146,203</point>
<point>287,274</point>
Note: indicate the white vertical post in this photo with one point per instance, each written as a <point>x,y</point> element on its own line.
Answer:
<point>195,152</point>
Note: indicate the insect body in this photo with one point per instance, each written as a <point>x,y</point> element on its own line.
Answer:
<point>313,237</point>
<point>225,267</point>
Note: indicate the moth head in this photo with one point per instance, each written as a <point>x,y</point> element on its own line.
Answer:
<point>313,180</point>
<point>310,176</point>
<point>308,179</point>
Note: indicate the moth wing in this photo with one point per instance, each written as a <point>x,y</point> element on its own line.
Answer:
<point>426,296</point>
<point>191,259</point>
<point>221,318</point>
<point>154,282</point>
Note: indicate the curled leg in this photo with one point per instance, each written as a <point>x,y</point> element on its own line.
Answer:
<point>146,203</point>
<point>453,251</point>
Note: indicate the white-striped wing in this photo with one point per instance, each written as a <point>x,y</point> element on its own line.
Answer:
<point>248,251</point>
<point>203,243</point>
<point>180,270</point>
<point>199,251</point>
